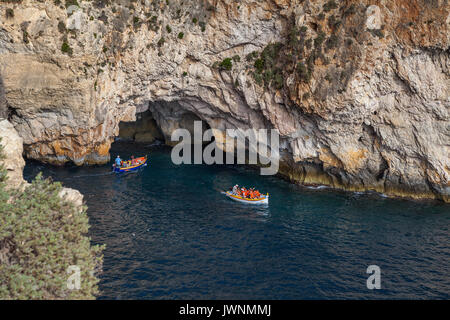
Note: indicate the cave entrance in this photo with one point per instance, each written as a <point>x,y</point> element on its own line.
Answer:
<point>157,123</point>
<point>143,130</point>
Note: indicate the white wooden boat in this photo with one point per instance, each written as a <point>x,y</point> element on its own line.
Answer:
<point>263,199</point>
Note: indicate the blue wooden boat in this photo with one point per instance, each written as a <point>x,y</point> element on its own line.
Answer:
<point>128,167</point>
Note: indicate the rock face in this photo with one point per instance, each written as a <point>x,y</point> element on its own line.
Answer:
<point>359,90</point>
<point>12,145</point>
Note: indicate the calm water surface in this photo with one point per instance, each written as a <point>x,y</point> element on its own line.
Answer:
<point>171,234</point>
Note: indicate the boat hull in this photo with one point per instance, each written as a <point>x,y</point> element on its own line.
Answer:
<point>263,200</point>
<point>131,168</point>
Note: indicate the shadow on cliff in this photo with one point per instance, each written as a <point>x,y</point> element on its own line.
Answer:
<point>3,104</point>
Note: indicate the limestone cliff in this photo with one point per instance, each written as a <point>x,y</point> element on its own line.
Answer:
<point>13,162</point>
<point>12,147</point>
<point>359,90</point>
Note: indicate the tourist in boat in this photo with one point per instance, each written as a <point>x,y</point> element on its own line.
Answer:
<point>235,189</point>
<point>133,161</point>
<point>118,161</point>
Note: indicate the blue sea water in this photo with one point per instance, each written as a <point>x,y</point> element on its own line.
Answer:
<point>171,234</point>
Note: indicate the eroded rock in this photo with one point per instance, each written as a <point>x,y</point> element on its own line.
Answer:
<point>368,110</point>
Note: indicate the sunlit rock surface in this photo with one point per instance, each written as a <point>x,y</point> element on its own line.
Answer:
<point>368,112</point>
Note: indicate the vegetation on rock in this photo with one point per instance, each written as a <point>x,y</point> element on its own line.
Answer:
<point>41,235</point>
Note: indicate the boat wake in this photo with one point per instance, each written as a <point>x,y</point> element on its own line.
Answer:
<point>90,175</point>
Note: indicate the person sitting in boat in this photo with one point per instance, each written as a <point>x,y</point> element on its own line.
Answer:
<point>118,161</point>
<point>257,194</point>
<point>235,189</point>
<point>133,161</point>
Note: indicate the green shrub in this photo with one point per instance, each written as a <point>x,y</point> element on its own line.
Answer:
<point>9,13</point>
<point>271,53</point>
<point>169,29</point>
<point>350,10</point>
<point>319,39</point>
<point>259,65</point>
<point>251,56</point>
<point>226,64</point>
<point>180,35</point>
<point>41,235</point>
<point>66,48</point>
<point>202,26</point>
<point>303,72</point>
<point>25,36</point>
<point>71,3</point>
<point>330,5</point>
<point>332,42</point>
<point>258,78</point>
<point>278,81</point>
<point>61,27</point>
<point>378,33</point>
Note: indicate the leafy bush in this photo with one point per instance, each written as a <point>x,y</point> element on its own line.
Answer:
<point>259,65</point>
<point>25,36</point>
<point>71,3</point>
<point>319,39</point>
<point>161,42</point>
<point>61,27</point>
<point>226,64</point>
<point>180,35</point>
<point>258,78</point>
<point>303,72</point>
<point>66,48</point>
<point>332,42</point>
<point>251,56</point>
<point>330,5</point>
<point>9,13</point>
<point>202,26</point>
<point>378,32</point>
<point>41,235</point>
